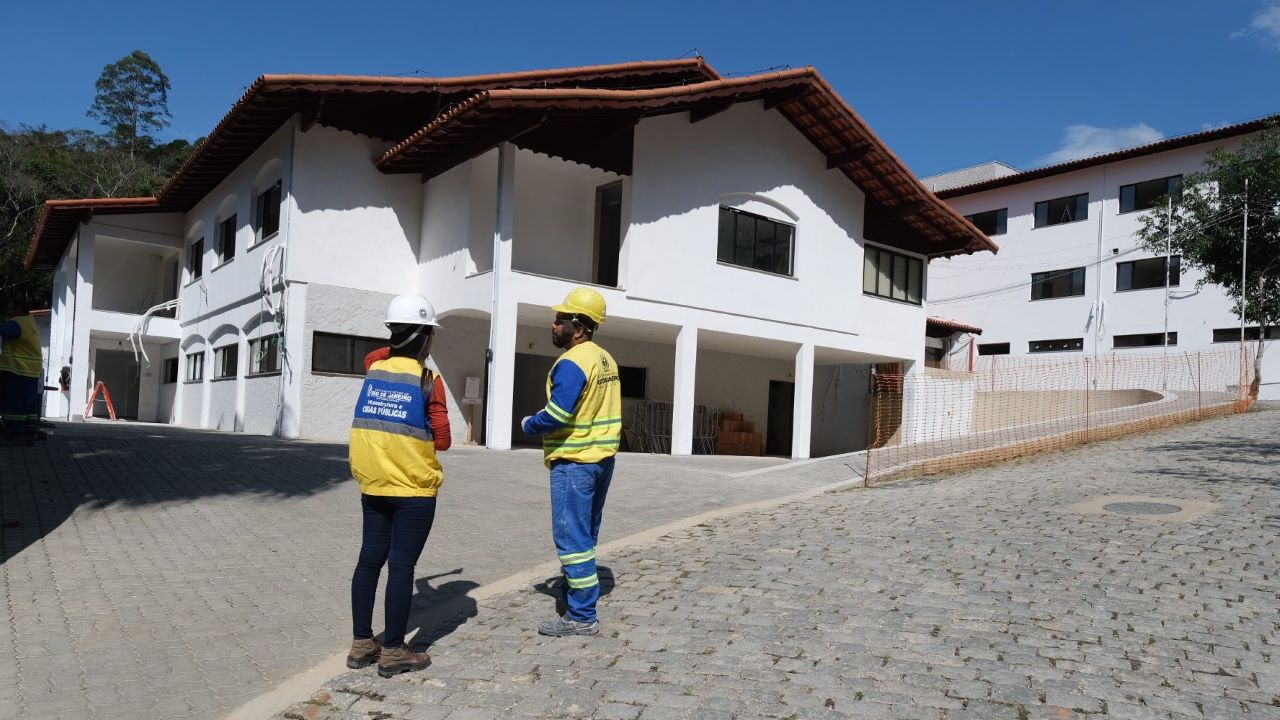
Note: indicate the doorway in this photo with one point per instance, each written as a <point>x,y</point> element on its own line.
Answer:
<point>118,370</point>
<point>608,240</point>
<point>782,399</point>
<point>529,394</point>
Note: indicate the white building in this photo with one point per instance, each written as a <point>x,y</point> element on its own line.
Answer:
<point>1071,277</point>
<point>726,222</point>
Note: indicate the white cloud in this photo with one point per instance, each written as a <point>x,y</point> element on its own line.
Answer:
<point>1265,23</point>
<point>1084,140</point>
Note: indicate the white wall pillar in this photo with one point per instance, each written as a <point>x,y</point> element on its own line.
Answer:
<point>683,391</point>
<point>289,412</point>
<point>802,413</point>
<point>82,312</point>
<point>502,318</point>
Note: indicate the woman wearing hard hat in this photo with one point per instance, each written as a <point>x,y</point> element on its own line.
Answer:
<point>400,423</point>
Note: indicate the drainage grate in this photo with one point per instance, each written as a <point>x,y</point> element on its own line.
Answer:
<point>1141,508</point>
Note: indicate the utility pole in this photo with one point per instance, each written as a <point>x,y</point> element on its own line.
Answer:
<point>1168,262</point>
<point>1244,290</point>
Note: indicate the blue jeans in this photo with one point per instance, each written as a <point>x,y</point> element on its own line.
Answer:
<point>19,403</point>
<point>578,491</point>
<point>395,529</point>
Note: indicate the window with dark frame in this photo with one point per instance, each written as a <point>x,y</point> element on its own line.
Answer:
<point>266,211</point>
<point>264,355</point>
<point>993,348</point>
<point>1146,274</point>
<point>1143,340</point>
<point>992,222</point>
<point>170,371</point>
<point>633,381</point>
<point>227,239</point>
<point>1143,195</point>
<point>892,275</point>
<point>195,259</point>
<point>608,233</point>
<point>1057,284</point>
<point>1062,345</point>
<point>1058,211</point>
<point>753,241</point>
<point>195,366</point>
<point>341,354</point>
<point>1232,334</point>
<point>225,361</point>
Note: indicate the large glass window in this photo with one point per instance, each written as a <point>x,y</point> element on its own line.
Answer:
<point>195,259</point>
<point>264,355</point>
<point>753,241</point>
<point>1143,340</point>
<point>1057,284</point>
<point>266,211</point>
<point>341,354</point>
<point>225,361</point>
<point>1062,345</point>
<point>992,222</point>
<point>195,366</point>
<point>1149,273</point>
<point>1062,210</point>
<point>1143,195</point>
<point>227,239</point>
<point>892,275</point>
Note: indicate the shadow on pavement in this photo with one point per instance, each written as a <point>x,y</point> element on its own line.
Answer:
<point>439,610</point>
<point>95,464</point>
<point>1196,459</point>
<point>553,587</point>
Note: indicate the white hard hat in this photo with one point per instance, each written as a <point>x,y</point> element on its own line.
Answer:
<point>411,310</point>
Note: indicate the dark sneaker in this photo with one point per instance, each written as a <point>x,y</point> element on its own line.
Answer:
<point>363,653</point>
<point>563,627</point>
<point>401,659</point>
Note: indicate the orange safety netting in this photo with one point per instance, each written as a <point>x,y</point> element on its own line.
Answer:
<point>938,420</point>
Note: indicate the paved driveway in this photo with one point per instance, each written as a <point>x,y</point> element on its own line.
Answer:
<point>151,571</point>
<point>1007,592</point>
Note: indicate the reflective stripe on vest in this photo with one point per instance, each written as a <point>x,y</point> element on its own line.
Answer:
<point>593,428</point>
<point>392,450</point>
<point>22,355</point>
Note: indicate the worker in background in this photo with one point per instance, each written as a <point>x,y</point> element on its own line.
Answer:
<point>21,368</point>
<point>581,426</point>
<point>400,423</point>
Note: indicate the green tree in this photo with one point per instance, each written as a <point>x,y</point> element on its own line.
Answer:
<point>132,100</point>
<point>1208,222</point>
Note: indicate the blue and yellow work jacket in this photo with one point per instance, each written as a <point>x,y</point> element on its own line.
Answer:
<point>21,353</point>
<point>392,447</point>
<point>582,421</point>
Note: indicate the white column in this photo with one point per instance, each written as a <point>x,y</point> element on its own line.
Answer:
<point>683,392</point>
<point>802,412</point>
<point>502,318</point>
<point>82,312</point>
<point>289,420</point>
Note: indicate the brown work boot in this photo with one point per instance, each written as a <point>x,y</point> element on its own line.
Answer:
<point>363,653</point>
<point>396,660</point>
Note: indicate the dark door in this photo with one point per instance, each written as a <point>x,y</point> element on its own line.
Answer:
<point>529,394</point>
<point>782,399</point>
<point>119,372</point>
<point>608,233</point>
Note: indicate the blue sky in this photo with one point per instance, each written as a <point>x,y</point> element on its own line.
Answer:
<point>946,84</point>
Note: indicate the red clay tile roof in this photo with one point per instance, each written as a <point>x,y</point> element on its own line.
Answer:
<point>402,105</point>
<point>934,323</point>
<point>592,126</point>
<point>1159,146</point>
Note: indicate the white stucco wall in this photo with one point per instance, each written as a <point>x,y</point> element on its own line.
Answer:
<point>1106,238</point>
<point>555,216</point>
<point>132,277</point>
<point>839,408</point>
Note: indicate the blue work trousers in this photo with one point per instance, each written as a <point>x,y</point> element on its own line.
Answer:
<point>20,403</point>
<point>395,529</point>
<point>578,491</point>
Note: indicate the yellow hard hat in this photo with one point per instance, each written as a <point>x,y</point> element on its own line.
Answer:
<point>583,301</point>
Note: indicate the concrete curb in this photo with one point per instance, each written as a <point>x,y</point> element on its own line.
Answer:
<point>303,685</point>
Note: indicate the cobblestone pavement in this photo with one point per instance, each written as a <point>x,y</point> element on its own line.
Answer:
<point>987,594</point>
<point>155,572</point>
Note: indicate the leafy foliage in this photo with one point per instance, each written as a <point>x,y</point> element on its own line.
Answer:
<point>37,164</point>
<point>1208,228</point>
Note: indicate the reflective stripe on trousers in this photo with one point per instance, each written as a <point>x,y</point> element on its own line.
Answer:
<point>578,492</point>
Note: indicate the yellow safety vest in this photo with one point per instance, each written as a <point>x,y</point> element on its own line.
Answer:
<point>594,427</point>
<point>22,356</point>
<point>392,447</point>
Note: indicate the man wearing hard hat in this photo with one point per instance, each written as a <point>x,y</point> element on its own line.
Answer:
<point>581,426</point>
